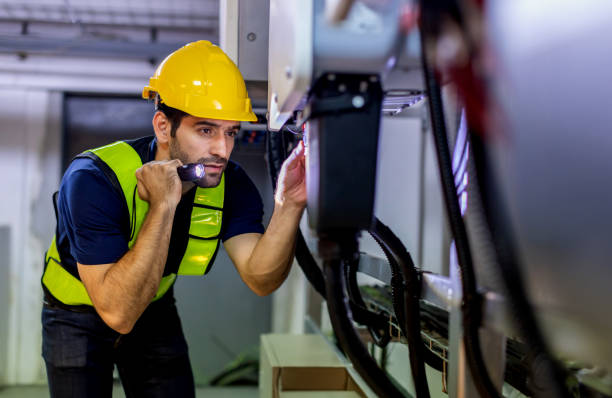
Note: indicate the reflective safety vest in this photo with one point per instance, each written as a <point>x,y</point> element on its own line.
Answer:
<point>206,215</point>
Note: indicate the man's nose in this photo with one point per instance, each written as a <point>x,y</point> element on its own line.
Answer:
<point>219,146</point>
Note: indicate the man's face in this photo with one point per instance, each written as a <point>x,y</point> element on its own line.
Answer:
<point>206,141</point>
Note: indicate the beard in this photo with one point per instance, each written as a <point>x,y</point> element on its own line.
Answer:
<point>210,180</point>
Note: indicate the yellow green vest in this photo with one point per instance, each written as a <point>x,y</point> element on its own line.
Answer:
<point>204,230</point>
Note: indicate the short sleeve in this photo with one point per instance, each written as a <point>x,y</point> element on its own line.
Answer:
<point>243,209</point>
<point>93,215</point>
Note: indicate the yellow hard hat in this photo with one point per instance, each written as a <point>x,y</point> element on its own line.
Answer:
<point>201,80</point>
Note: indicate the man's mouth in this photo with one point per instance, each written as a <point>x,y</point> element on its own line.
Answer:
<point>213,168</point>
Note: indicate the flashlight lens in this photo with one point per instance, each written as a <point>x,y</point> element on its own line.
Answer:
<point>199,171</point>
<point>191,172</point>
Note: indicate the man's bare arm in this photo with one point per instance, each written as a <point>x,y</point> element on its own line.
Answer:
<point>121,291</point>
<point>264,261</point>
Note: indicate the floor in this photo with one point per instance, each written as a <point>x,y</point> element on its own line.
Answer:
<point>208,392</point>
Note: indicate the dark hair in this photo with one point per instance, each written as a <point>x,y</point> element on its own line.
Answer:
<point>174,115</point>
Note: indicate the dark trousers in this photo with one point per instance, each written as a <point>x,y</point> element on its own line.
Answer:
<point>80,351</point>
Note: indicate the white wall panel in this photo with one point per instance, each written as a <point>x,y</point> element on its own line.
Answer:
<point>408,196</point>
<point>22,154</point>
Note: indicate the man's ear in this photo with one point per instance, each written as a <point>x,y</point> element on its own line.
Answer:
<point>162,127</point>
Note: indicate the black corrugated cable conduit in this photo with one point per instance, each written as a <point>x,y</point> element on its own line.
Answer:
<point>406,293</point>
<point>398,289</point>
<point>376,322</point>
<point>340,315</point>
<point>472,301</point>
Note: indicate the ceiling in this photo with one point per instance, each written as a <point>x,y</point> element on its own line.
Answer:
<point>146,29</point>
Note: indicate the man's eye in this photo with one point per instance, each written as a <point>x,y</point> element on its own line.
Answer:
<point>205,131</point>
<point>232,133</point>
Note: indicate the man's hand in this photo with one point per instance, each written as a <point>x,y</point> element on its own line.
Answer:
<point>159,183</point>
<point>264,261</point>
<point>291,186</point>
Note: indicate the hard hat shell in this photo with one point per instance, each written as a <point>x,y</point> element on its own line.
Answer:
<point>201,80</point>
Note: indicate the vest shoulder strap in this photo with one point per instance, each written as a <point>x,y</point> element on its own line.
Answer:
<point>122,161</point>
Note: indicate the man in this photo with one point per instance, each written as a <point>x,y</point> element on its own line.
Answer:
<point>127,225</point>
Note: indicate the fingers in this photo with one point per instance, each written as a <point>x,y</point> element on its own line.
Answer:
<point>140,185</point>
<point>294,160</point>
<point>172,166</point>
<point>158,181</point>
<point>175,163</point>
<point>291,185</point>
<point>142,192</point>
<point>157,167</point>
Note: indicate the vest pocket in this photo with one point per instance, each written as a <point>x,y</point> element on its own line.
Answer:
<point>204,231</point>
<point>205,222</point>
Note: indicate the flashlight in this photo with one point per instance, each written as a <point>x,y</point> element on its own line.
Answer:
<point>191,172</point>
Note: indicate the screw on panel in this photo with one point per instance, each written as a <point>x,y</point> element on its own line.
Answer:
<point>251,36</point>
<point>363,86</point>
<point>331,77</point>
<point>342,88</point>
<point>358,101</point>
<point>288,72</point>
<point>373,78</point>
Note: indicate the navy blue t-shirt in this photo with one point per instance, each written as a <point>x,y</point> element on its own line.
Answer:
<point>92,220</point>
